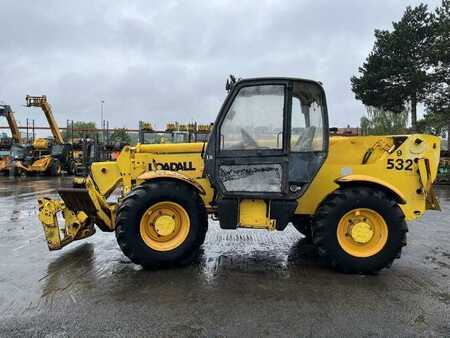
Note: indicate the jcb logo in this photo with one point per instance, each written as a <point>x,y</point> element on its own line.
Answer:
<point>172,166</point>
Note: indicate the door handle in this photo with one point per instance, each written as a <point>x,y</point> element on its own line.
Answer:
<point>295,187</point>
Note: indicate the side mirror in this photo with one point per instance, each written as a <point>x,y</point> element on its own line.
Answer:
<point>230,83</point>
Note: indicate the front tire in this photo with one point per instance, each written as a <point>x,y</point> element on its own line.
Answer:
<point>161,224</point>
<point>360,229</point>
<point>55,168</point>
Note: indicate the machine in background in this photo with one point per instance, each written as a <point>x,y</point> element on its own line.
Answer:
<point>174,133</point>
<point>444,168</point>
<point>46,156</point>
<point>11,148</point>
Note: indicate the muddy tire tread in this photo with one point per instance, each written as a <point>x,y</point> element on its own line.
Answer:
<point>325,223</point>
<point>159,191</point>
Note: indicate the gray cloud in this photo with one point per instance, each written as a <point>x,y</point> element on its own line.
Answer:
<point>168,60</point>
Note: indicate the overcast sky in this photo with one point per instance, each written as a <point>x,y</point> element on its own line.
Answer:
<point>161,61</point>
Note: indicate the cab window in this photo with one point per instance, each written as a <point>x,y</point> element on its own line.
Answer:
<point>255,119</point>
<point>306,123</point>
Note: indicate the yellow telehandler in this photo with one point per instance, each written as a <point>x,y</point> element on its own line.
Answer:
<point>269,161</point>
<point>9,146</point>
<point>46,156</point>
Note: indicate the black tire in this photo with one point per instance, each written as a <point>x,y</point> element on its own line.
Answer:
<point>336,206</point>
<point>55,168</point>
<point>304,226</point>
<point>138,201</point>
<point>71,168</point>
<point>14,171</point>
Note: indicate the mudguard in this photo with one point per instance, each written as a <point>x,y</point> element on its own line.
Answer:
<point>158,174</point>
<point>365,178</point>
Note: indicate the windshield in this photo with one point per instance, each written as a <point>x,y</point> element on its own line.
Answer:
<point>57,149</point>
<point>17,151</point>
<point>255,119</point>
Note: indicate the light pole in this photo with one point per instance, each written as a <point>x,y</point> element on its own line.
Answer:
<point>101,121</point>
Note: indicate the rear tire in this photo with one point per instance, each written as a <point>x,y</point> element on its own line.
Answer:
<point>55,168</point>
<point>15,171</point>
<point>138,211</point>
<point>4,173</point>
<point>71,168</point>
<point>369,241</point>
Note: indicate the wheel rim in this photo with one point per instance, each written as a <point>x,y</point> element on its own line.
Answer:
<point>164,226</point>
<point>362,232</point>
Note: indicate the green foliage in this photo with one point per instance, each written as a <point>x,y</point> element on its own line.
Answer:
<point>380,122</point>
<point>81,130</point>
<point>120,135</point>
<point>437,116</point>
<point>433,123</point>
<point>394,75</point>
<point>409,65</point>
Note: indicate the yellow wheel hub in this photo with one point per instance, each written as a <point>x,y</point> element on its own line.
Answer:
<point>164,226</point>
<point>362,232</point>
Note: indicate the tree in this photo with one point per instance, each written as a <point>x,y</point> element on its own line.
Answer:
<point>394,75</point>
<point>81,130</point>
<point>437,117</point>
<point>120,135</point>
<point>380,122</point>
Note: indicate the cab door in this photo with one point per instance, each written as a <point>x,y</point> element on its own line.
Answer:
<point>248,158</point>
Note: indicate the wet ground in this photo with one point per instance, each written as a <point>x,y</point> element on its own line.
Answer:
<point>247,283</point>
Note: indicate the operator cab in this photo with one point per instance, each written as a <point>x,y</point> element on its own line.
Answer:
<point>268,143</point>
<point>18,152</point>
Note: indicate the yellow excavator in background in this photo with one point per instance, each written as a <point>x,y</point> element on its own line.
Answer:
<point>9,145</point>
<point>46,156</point>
